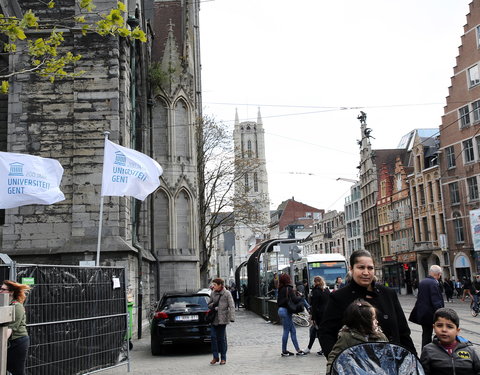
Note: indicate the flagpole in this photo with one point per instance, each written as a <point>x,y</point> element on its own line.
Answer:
<point>99,240</point>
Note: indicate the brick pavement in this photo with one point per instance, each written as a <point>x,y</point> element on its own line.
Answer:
<point>254,348</point>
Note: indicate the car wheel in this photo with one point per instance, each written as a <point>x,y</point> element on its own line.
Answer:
<point>157,349</point>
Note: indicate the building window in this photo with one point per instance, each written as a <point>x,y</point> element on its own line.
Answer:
<point>478,36</point>
<point>476,111</point>
<point>464,114</point>
<point>472,188</point>
<point>422,194</point>
<point>255,182</point>
<point>458,227</point>
<point>246,182</point>
<point>468,151</point>
<point>450,156</point>
<point>249,149</point>
<point>477,141</point>
<point>473,76</point>
<point>454,193</point>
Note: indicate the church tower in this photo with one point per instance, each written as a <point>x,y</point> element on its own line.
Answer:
<point>252,212</point>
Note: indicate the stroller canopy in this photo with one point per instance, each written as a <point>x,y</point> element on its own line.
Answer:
<point>376,358</point>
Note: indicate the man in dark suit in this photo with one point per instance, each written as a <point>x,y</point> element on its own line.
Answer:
<point>429,300</point>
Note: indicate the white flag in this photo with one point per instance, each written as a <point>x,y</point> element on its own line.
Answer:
<point>27,179</point>
<point>127,172</point>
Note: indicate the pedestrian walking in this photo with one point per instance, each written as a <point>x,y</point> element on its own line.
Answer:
<point>236,296</point>
<point>429,300</point>
<point>448,288</point>
<point>360,326</point>
<point>338,283</point>
<point>467,288</point>
<point>18,339</point>
<point>390,315</point>
<point>318,301</point>
<point>221,300</point>
<point>286,293</point>
<point>459,288</point>
<point>476,293</point>
<point>447,354</point>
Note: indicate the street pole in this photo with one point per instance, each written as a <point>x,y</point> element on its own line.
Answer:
<point>100,220</point>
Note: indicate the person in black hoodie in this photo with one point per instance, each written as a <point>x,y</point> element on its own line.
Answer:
<point>285,292</point>
<point>390,315</point>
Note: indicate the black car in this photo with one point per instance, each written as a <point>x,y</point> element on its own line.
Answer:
<point>179,318</point>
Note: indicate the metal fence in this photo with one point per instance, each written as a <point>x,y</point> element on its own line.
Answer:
<point>77,318</point>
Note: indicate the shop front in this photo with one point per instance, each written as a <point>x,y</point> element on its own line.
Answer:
<point>409,269</point>
<point>391,273</point>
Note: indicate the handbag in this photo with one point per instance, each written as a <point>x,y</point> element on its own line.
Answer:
<point>293,307</point>
<point>212,313</point>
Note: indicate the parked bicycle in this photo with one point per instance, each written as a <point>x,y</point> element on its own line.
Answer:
<point>302,319</point>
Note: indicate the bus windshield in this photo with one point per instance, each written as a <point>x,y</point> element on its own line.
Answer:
<point>328,270</point>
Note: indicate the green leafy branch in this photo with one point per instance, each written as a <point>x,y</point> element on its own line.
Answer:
<point>46,58</point>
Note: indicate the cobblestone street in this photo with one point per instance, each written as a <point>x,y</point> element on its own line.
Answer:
<point>255,345</point>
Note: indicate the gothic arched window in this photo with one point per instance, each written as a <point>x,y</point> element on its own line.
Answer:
<point>249,148</point>
<point>255,182</point>
<point>184,218</point>
<point>181,129</point>
<point>162,223</point>
<point>160,128</point>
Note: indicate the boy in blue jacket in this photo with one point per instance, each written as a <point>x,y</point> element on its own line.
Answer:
<point>449,353</point>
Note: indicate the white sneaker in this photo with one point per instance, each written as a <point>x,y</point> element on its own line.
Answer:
<point>306,351</point>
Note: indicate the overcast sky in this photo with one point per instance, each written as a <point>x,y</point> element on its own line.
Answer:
<point>311,65</point>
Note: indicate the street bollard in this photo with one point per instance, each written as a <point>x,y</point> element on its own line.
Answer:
<point>7,315</point>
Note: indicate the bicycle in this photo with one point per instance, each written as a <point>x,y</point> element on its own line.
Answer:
<point>302,319</point>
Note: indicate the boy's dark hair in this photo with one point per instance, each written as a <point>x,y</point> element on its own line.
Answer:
<point>359,316</point>
<point>447,313</point>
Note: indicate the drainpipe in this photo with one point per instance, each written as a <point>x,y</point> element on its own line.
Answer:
<point>133,22</point>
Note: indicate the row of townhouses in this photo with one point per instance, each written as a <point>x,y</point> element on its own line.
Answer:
<point>414,205</point>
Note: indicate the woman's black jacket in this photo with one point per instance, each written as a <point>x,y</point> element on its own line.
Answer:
<point>390,315</point>
<point>283,293</point>
<point>318,301</point>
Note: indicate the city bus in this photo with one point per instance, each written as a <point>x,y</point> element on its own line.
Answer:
<point>329,266</point>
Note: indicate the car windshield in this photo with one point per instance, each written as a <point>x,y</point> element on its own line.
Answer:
<point>183,302</point>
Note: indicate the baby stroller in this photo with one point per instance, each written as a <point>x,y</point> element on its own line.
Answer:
<point>376,358</point>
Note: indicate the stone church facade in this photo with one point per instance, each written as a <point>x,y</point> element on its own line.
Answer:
<point>155,239</point>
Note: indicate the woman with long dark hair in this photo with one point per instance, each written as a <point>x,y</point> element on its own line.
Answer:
<point>390,315</point>
<point>18,339</point>
<point>285,292</point>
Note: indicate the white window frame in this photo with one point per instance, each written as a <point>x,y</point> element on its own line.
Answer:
<point>464,116</point>
<point>454,192</point>
<point>468,152</point>
<point>477,149</point>
<point>450,156</point>
<point>478,36</point>
<point>473,76</point>
<point>472,188</point>
<point>476,111</point>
